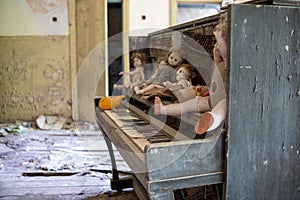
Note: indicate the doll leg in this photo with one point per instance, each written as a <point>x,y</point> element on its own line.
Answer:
<point>211,120</point>
<point>119,87</point>
<point>192,105</point>
<point>149,87</point>
<point>185,94</point>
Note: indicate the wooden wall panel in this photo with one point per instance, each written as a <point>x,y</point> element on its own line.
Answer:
<point>264,102</point>
<point>91,54</point>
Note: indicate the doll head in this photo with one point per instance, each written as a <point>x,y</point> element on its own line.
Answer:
<point>161,62</point>
<point>185,72</point>
<point>138,59</point>
<point>174,58</point>
<point>220,33</point>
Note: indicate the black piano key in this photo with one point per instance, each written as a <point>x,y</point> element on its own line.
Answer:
<point>157,140</point>
<point>140,123</point>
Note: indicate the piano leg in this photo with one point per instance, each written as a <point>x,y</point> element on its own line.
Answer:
<point>144,195</point>
<point>116,183</point>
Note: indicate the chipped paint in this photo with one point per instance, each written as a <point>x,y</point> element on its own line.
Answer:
<point>34,17</point>
<point>46,6</point>
<point>292,32</point>
<point>245,67</point>
<point>35,77</point>
<point>286,47</point>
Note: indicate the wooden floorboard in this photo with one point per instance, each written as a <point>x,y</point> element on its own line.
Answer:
<point>57,165</point>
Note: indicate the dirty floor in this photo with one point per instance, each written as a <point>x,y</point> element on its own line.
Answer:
<point>72,163</point>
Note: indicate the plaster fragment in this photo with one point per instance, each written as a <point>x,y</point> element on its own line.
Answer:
<point>286,18</point>
<point>297,151</point>
<point>258,6</point>
<point>298,92</point>
<point>265,162</point>
<point>286,47</point>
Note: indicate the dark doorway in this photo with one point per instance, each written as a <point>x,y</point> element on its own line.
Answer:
<point>115,46</point>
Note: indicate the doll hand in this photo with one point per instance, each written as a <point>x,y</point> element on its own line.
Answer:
<point>121,73</point>
<point>217,55</point>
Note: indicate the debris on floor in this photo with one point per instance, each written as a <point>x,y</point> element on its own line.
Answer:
<point>50,122</point>
<point>70,163</point>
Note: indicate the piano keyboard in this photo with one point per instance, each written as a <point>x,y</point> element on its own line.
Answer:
<point>137,128</point>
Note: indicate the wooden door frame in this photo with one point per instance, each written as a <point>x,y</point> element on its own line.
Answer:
<point>77,105</point>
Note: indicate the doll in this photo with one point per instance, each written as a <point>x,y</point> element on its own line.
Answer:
<point>184,74</point>
<point>165,72</point>
<point>211,120</point>
<point>158,67</point>
<point>137,75</point>
<point>213,105</point>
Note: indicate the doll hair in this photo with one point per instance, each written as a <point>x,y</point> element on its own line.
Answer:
<point>190,68</point>
<point>223,26</point>
<point>140,56</point>
<point>159,59</point>
<point>180,52</point>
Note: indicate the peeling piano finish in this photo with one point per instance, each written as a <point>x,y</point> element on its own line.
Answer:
<point>264,125</point>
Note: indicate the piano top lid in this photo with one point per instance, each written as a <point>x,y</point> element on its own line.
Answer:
<point>268,2</point>
<point>188,25</point>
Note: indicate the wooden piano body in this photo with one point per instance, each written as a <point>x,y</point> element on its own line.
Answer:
<point>162,167</point>
<point>258,157</point>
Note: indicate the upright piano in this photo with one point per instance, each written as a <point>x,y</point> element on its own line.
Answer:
<point>256,154</point>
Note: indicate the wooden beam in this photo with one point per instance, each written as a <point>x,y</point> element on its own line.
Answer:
<point>126,55</point>
<point>173,12</point>
<point>73,56</point>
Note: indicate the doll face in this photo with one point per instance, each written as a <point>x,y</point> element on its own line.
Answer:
<point>137,62</point>
<point>174,59</point>
<point>182,74</point>
<point>221,42</point>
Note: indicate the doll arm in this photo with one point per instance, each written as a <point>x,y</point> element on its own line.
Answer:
<point>135,71</point>
<point>142,75</point>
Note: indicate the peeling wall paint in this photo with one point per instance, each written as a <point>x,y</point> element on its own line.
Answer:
<point>34,17</point>
<point>34,77</point>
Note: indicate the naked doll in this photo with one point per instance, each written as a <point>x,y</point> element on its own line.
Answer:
<point>137,75</point>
